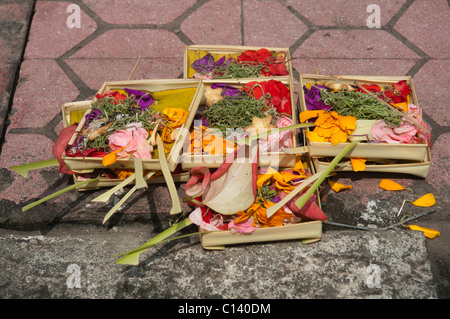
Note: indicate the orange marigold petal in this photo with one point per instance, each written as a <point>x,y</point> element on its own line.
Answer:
<point>390,185</point>
<point>426,200</point>
<point>338,136</point>
<point>347,123</point>
<point>307,115</point>
<point>263,179</point>
<point>314,137</point>
<point>428,232</point>
<point>358,164</point>
<point>337,187</point>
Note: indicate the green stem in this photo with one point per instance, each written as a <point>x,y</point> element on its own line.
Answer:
<point>132,257</point>
<point>29,206</point>
<point>302,200</point>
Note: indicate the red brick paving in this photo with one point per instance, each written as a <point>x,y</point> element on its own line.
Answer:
<point>50,36</point>
<point>283,27</point>
<point>37,95</point>
<point>119,69</point>
<point>131,12</point>
<point>344,14</point>
<point>133,43</point>
<point>215,22</point>
<point>63,64</point>
<point>424,24</point>
<point>432,90</point>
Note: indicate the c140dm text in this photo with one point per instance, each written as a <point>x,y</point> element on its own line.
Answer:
<point>225,308</point>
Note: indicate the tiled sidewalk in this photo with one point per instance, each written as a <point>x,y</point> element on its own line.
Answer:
<point>62,64</point>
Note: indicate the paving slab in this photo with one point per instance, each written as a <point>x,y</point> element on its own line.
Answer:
<point>14,24</point>
<point>389,265</point>
<point>63,64</point>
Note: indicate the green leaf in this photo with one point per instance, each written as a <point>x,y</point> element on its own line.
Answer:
<point>304,198</point>
<point>29,206</point>
<point>23,169</point>
<point>132,257</point>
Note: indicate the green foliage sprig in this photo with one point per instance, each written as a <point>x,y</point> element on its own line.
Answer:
<point>360,105</point>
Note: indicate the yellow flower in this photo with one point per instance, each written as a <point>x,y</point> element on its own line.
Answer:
<point>111,158</point>
<point>330,126</point>
<point>176,115</point>
<point>390,185</point>
<point>358,164</point>
<point>428,232</point>
<point>337,187</point>
<point>426,200</point>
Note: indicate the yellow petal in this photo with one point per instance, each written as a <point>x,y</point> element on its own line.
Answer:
<point>358,164</point>
<point>262,179</point>
<point>402,105</point>
<point>426,200</point>
<point>288,176</point>
<point>111,158</point>
<point>307,115</point>
<point>314,137</point>
<point>347,123</point>
<point>390,185</point>
<point>428,232</point>
<point>324,132</point>
<point>338,136</point>
<point>337,187</point>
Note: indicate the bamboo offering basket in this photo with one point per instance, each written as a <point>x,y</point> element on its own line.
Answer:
<point>276,159</point>
<point>306,231</point>
<point>72,113</point>
<point>83,163</point>
<point>412,159</point>
<point>194,52</point>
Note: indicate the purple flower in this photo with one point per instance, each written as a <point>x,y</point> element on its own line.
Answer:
<point>143,99</point>
<point>227,90</point>
<point>204,65</point>
<point>90,117</point>
<point>207,64</point>
<point>313,99</point>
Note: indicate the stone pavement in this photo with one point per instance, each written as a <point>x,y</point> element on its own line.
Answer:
<point>45,63</point>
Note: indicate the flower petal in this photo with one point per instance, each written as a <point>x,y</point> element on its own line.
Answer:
<point>307,115</point>
<point>337,187</point>
<point>428,232</point>
<point>390,185</point>
<point>426,200</point>
<point>358,164</point>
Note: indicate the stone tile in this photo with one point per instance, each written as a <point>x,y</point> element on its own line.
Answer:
<point>438,176</point>
<point>431,84</point>
<point>127,12</point>
<point>5,51</point>
<point>133,44</point>
<point>343,13</point>
<point>427,25</point>
<point>10,12</point>
<point>216,22</point>
<point>370,44</point>
<point>270,24</point>
<point>43,87</point>
<point>23,149</point>
<point>353,66</point>
<point>13,27</point>
<point>50,35</point>
<point>6,82</point>
<point>94,72</point>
